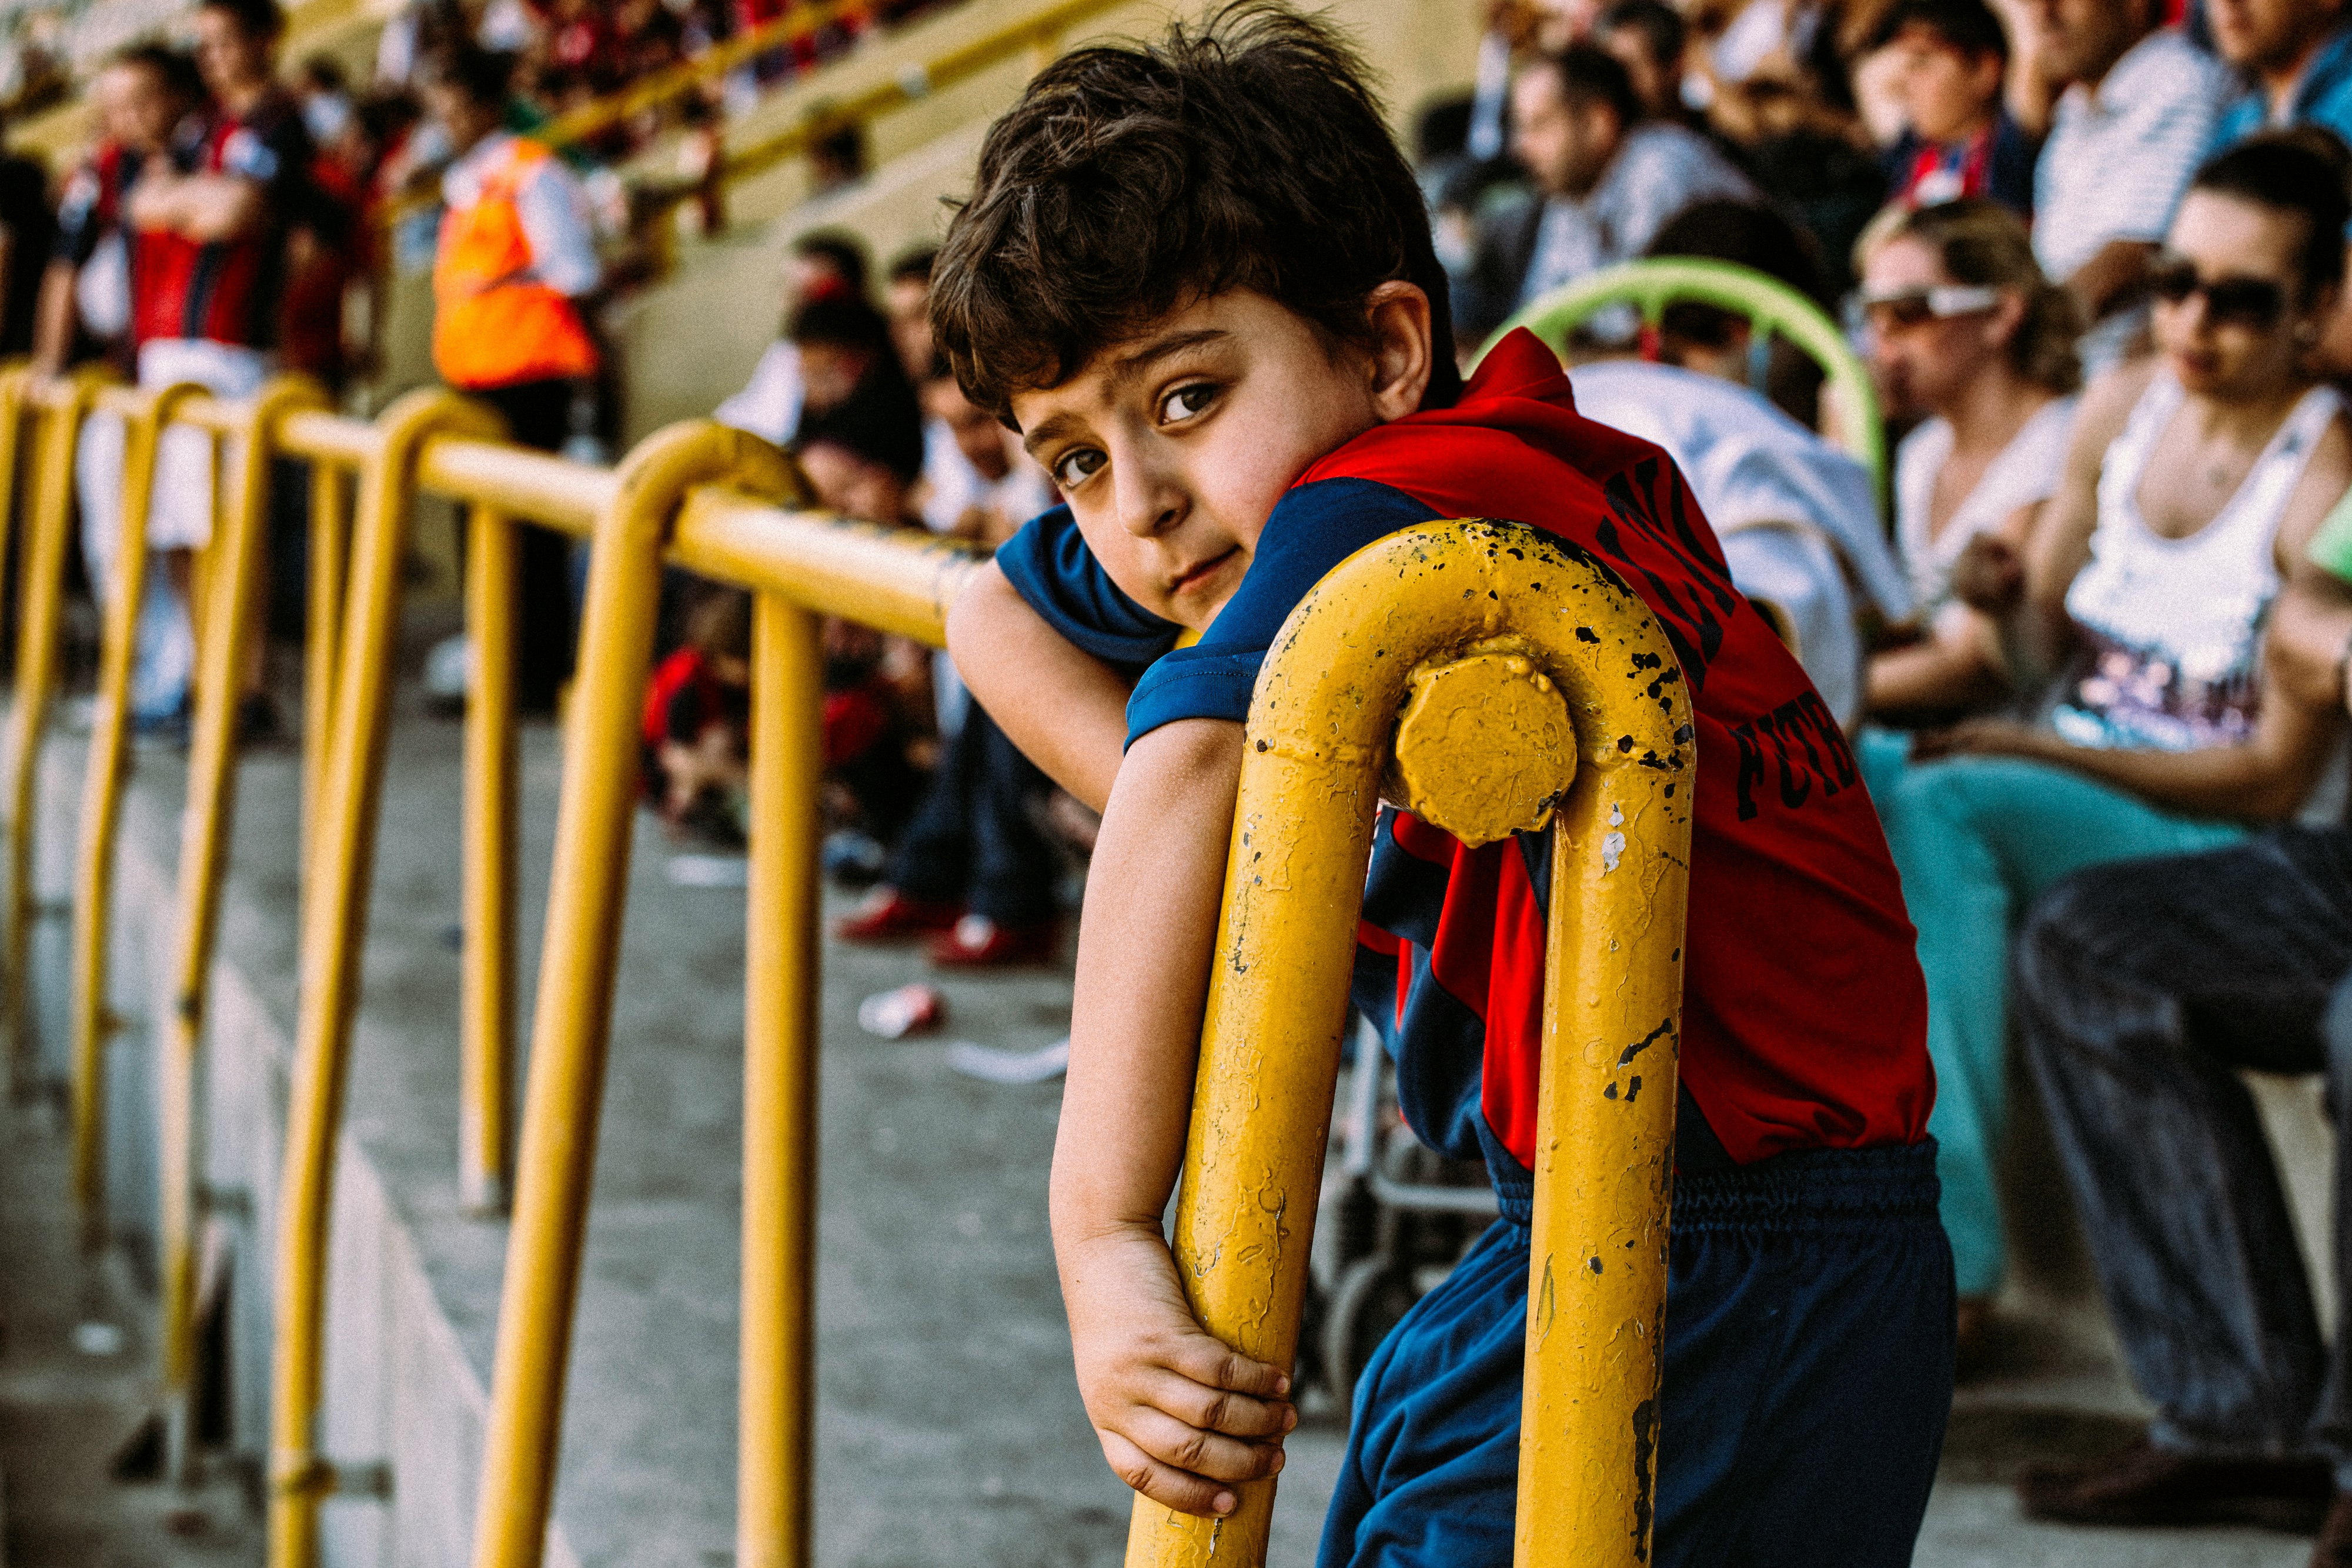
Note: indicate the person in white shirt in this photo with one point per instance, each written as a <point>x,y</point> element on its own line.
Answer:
<point>819,266</point>
<point>1608,179</point>
<point>1963,328</point>
<point>1796,516</point>
<point>2130,129</point>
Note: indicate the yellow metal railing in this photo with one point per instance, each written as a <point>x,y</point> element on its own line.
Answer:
<point>1492,679</point>
<point>1477,671</point>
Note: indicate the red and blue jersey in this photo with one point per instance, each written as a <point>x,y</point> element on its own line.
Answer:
<point>229,291</point>
<point>1805,1014</point>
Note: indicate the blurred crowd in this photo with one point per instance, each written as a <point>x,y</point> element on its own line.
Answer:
<point>2081,629</point>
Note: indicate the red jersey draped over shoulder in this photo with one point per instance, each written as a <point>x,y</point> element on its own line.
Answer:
<point>1804,1013</point>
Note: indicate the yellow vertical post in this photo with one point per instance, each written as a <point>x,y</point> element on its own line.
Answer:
<point>1484,674</point>
<point>776,1384</point>
<point>570,1025</point>
<point>40,586</point>
<point>334,924</point>
<point>240,534</point>
<point>101,805</point>
<point>328,543</point>
<point>486,1121</point>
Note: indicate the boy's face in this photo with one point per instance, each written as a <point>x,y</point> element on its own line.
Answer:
<point>1947,94</point>
<point>1172,446</point>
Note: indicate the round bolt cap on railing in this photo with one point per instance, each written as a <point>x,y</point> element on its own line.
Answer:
<point>1484,746</point>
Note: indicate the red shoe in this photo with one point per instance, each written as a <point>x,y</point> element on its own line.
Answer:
<point>979,943</point>
<point>885,915</point>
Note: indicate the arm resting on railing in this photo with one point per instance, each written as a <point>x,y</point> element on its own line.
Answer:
<point>1063,707</point>
<point>1179,1413</point>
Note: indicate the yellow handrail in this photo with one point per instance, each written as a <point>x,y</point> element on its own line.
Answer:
<point>1477,672</point>
<point>1446,625</point>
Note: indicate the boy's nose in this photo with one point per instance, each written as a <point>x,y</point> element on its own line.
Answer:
<point>1148,504</point>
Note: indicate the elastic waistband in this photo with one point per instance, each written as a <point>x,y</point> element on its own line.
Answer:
<point>1810,1190</point>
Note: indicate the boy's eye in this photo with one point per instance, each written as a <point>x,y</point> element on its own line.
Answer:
<point>1187,400</point>
<point>1073,467</point>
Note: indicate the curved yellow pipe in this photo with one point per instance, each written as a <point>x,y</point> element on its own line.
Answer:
<point>1483,608</point>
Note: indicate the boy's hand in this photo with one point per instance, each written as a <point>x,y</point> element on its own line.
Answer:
<point>1180,1416</point>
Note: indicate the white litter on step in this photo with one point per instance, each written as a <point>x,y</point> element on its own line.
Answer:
<point>709,871</point>
<point>995,1066</point>
<point>98,1339</point>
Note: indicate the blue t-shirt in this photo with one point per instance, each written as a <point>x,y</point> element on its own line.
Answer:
<point>2324,97</point>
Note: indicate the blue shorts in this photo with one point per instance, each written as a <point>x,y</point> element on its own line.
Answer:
<point>1808,1377</point>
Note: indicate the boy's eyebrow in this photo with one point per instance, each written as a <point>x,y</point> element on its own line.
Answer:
<point>1047,432</point>
<point>1126,367</point>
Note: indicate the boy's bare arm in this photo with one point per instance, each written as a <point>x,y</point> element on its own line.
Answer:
<point>1180,1416</point>
<point>1061,706</point>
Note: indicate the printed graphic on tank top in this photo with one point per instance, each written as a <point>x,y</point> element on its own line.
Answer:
<point>2172,628</point>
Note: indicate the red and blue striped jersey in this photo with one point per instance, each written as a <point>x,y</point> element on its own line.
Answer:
<point>1805,1014</point>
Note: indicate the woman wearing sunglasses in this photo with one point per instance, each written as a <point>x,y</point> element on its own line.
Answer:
<point>1963,330</point>
<point>2194,482</point>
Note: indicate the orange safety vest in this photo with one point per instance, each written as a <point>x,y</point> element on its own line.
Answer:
<point>491,334</point>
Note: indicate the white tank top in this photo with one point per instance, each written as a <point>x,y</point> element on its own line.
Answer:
<point>2172,628</point>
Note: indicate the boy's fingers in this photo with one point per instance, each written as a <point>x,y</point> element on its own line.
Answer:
<point>1164,1483</point>
<point>1207,1360</point>
<point>1209,1455</point>
<point>1220,1410</point>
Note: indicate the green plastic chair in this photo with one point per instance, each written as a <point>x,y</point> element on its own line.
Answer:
<point>1770,307</point>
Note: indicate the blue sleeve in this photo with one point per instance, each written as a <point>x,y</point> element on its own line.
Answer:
<point>1048,564</point>
<point>1313,529</point>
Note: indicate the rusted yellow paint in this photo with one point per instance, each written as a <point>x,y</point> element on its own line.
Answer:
<point>1484,747</point>
<point>1432,600</point>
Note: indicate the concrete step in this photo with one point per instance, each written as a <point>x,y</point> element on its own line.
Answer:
<point>949,1431</point>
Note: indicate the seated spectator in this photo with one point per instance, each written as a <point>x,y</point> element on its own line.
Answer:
<point>2135,120</point>
<point>2192,486</point>
<point>1797,517</point>
<point>2142,988</point>
<point>821,265</point>
<point>977,482</point>
<point>1952,58</point>
<point>1966,335</point>
<point>862,456</point>
<point>698,724</point>
<point>1607,179</point>
<point>1721,343</point>
<point>906,301</point>
<point>1648,37</point>
<point>2295,62</point>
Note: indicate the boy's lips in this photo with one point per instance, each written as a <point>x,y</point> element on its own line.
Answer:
<point>1198,573</point>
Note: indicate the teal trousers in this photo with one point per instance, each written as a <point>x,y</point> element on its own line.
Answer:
<point>1977,840</point>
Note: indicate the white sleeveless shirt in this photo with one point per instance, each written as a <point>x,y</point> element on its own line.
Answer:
<point>2172,628</point>
<point>2028,471</point>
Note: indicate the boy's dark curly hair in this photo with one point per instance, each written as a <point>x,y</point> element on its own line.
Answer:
<point>1243,152</point>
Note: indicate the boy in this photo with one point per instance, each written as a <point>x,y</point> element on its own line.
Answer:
<point>1199,279</point>
<point>1951,58</point>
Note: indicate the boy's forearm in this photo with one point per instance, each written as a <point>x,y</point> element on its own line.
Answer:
<point>1153,896</point>
<point>1066,709</point>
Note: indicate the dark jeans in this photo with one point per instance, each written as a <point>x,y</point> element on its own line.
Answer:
<point>1808,1375</point>
<point>539,416</point>
<point>2140,986</point>
<point>972,841</point>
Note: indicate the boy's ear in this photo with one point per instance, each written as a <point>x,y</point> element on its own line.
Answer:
<point>1401,348</point>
